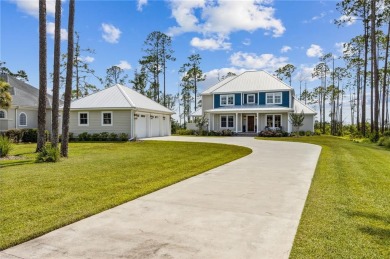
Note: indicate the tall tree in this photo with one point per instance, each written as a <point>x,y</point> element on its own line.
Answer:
<point>82,71</point>
<point>157,48</point>
<point>193,74</point>
<point>20,74</point>
<point>385,87</point>
<point>68,85</point>
<point>285,72</point>
<point>375,73</point>
<point>115,75</point>
<point>42,76</point>
<point>56,74</point>
<point>166,55</point>
<point>140,81</point>
<point>320,71</point>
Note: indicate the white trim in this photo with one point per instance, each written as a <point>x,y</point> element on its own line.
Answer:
<point>5,114</point>
<point>236,122</point>
<point>227,99</point>
<point>273,120</point>
<point>112,117</point>
<point>257,122</point>
<point>78,119</point>
<point>20,114</point>
<point>254,98</point>
<point>227,121</point>
<point>273,98</point>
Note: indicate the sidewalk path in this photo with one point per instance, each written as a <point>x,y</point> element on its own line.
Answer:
<point>249,208</point>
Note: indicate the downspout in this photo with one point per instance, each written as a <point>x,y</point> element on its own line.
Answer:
<point>16,117</point>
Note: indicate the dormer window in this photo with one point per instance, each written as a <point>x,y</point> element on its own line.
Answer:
<point>274,98</point>
<point>227,100</point>
<point>250,99</point>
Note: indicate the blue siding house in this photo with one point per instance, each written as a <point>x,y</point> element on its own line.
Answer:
<point>252,102</point>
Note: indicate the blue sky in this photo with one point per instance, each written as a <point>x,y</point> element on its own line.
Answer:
<point>229,35</point>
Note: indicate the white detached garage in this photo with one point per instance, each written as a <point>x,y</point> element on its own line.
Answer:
<point>119,109</point>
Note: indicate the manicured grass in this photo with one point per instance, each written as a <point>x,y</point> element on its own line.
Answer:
<point>347,211</point>
<point>38,198</point>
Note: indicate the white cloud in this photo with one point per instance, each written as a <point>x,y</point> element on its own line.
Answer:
<point>304,73</point>
<point>213,75</point>
<point>87,59</point>
<point>210,44</point>
<point>285,49</point>
<point>124,65</point>
<point>31,7</point>
<point>140,4</point>
<point>247,42</point>
<point>314,51</point>
<point>249,15</point>
<point>110,33</point>
<point>266,62</point>
<point>322,15</point>
<point>50,26</point>
<point>348,20</point>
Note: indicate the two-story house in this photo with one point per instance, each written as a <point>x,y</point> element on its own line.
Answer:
<point>252,102</point>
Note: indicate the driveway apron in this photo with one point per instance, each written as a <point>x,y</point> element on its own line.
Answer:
<point>248,208</point>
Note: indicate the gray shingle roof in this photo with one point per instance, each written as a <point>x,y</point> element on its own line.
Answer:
<point>119,97</point>
<point>250,81</point>
<point>24,94</point>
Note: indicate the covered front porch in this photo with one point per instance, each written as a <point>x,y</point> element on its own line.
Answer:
<point>248,122</point>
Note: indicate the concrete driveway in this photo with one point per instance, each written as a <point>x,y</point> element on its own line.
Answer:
<point>249,208</point>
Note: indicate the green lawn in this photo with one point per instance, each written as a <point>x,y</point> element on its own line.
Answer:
<point>37,198</point>
<point>347,211</point>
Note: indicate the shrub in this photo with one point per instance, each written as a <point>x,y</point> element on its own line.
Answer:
<point>317,132</point>
<point>84,136</point>
<point>226,133</point>
<point>123,137</point>
<point>374,137</point>
<point>30,135</point>
<point>308,133</point>
<point>272,133</point>
<point>5,146</point>
<point>104,136</point>
<point>386,143</point>
<point>302,133</point>
<point>213,133</point>
<point>113,136</point>
<point>381,141</point>
<point>14,135</point>
<point>185,132</point>
<point>95,137</point>
<point>386,133</point>
<point>48,154</point>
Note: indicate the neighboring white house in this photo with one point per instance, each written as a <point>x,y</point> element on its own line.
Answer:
<point>119,109</point>
<point>252,102</point>
<point>23,113</point>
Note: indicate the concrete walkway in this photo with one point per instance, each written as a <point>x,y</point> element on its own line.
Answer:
<point>249,208</point>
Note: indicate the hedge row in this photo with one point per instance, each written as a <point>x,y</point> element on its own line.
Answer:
<point>24,135</point>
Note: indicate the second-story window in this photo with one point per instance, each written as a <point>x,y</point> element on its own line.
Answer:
<point>250,99</point>
<point>227,100</point>
<point>274,98</point>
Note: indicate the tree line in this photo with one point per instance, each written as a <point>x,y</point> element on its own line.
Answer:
<point>365,73</point>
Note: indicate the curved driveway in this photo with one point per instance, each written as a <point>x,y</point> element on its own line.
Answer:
<point>249,208</point>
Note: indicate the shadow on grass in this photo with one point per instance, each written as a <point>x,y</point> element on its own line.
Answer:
<point>369,215</point>
<point>16,163</point>
<point>381,233</point>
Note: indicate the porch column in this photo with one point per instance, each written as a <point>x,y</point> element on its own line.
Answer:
<point>236,122</point>
<point>288,123</point>
<point>213,121</point>
<point>208,127</point>
<point>257,122</point>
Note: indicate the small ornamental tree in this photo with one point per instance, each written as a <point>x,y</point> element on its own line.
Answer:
<point>200,123</point>
<point>296,120</point>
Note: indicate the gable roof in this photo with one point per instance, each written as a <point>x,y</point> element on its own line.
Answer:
<point>299,106</point>
<point>249,81</point>
<point>119,97</point>
<point>24,94</point>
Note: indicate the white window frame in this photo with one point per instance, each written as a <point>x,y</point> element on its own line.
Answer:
<point>254,98</point>
<point>78,119</point>
<point>226,96</point>
<point>112,118</point>
<point>273,119</point>
<point>227,121</point>
<point>273,98</point>
<point>5,114</point>
<point>20,114</point>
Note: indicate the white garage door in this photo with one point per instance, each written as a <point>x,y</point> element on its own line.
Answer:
<point>140,127</point>
<point>156,126</point>
<point>166,126</point>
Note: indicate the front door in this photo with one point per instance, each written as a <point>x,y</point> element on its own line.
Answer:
<point>251,123</point>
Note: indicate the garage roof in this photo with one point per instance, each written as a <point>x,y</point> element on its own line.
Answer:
<point>118,96</point>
